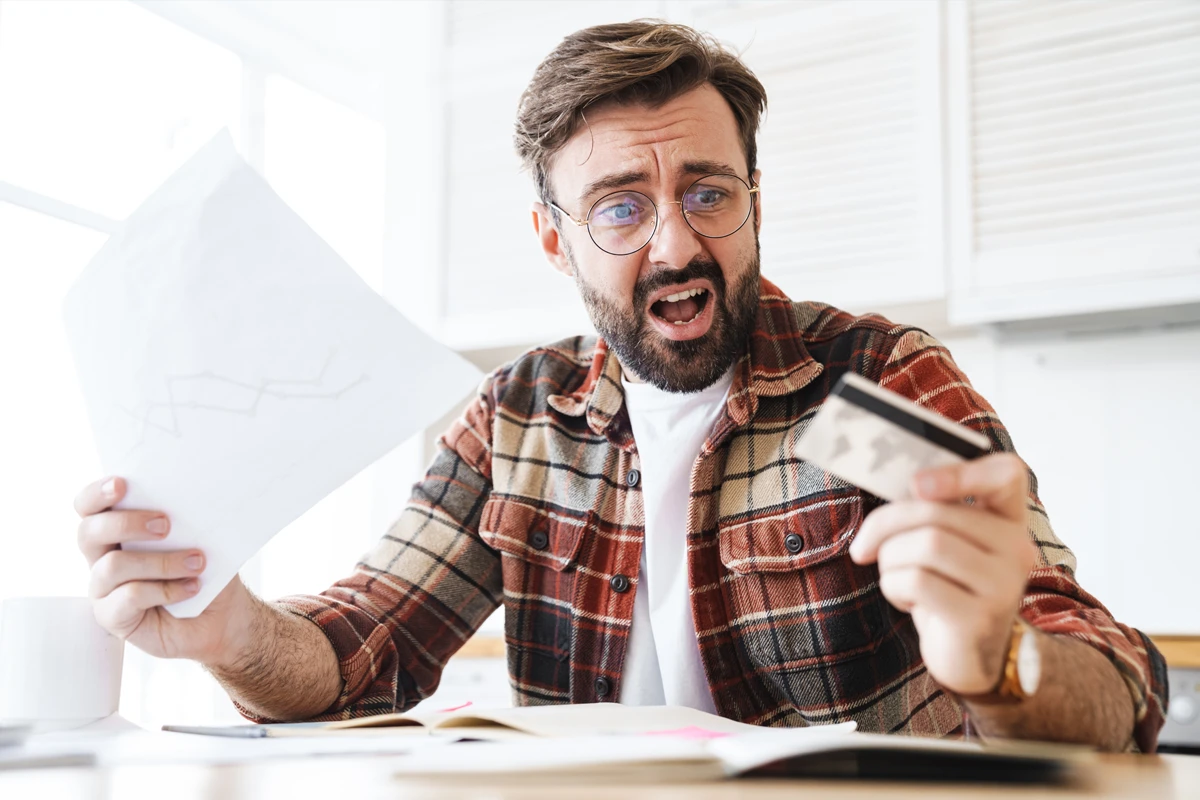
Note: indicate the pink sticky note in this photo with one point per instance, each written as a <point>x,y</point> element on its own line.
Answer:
<point>454,708</point>
<point>690,732</point>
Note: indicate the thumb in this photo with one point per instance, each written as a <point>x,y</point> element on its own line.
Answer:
<point>999,481</point>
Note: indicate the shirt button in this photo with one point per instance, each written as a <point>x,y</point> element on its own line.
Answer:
<point>603,687</point>
<point>619,584</point>
<point>794,543</point>
<point>539,540</point>
<point>632,477</point>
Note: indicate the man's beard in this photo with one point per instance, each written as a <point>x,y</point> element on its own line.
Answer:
<point>673,366</point>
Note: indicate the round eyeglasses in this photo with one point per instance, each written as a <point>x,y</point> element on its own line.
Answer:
<point>624,222</point>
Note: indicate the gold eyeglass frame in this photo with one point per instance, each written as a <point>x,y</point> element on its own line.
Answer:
<point>586,221</point>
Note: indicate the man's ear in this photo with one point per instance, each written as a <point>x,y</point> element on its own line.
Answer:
<point>756,179</point>
<point>548,238</point>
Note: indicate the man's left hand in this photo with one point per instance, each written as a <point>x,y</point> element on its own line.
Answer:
<point>960,570</point>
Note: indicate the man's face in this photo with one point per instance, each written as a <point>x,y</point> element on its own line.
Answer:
<point>683,345</point>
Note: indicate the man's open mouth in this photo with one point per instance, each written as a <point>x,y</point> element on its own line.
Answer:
<point>682,307</point>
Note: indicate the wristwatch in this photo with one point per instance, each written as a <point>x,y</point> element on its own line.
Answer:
<point>1022,668</point>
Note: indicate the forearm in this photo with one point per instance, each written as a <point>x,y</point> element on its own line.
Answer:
<point>280,667</point>
<point>1081,698</point>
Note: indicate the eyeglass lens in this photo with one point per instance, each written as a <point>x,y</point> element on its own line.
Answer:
<point>714,206</point>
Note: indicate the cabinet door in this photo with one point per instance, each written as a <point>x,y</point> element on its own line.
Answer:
<point>1076,158</point>
<point>851,150</point>
<point>1108,423</point>
<point>499,289</point>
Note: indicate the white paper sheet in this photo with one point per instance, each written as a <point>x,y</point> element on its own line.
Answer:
<point>236,370</point>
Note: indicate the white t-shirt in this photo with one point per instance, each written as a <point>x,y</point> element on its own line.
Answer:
<point>662,664</point>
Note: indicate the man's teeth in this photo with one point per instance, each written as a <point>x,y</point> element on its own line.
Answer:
<point>675,298</point>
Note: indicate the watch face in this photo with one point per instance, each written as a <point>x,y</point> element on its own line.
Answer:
<point>1029,663</point>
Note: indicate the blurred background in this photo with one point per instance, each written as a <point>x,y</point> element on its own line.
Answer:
<point>1020,177</point>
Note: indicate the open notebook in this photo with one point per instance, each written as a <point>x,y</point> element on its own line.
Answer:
<point>612,742</point>
<point>825,752</point>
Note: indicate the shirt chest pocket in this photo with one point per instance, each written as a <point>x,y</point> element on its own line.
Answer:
<point>537,534</point>
<point>538,546</point>
<point>796,597</point>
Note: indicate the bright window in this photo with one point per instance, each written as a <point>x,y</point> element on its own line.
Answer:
<point>44,433</point>
<point>100,100</point>
<point>326,161</point>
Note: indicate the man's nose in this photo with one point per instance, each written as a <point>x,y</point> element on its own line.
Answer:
<point>674,244</point>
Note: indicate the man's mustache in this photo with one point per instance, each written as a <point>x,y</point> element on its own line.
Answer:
<point>695,270</point>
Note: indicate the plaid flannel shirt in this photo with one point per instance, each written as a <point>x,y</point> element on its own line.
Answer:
<point>533,501</point>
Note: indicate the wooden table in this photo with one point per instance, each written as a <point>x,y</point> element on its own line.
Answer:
<point>333,778</point>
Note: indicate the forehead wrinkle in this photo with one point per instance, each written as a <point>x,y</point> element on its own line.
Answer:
<point>623,140</point>
<point>654,135</point>
<point>634,166</point>
<point>626,128</point>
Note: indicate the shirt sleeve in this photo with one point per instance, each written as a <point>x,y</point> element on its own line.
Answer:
<point>424,588</point>
<point>921,369</point>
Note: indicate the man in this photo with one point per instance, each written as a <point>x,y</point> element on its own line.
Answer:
<point>635,501</point>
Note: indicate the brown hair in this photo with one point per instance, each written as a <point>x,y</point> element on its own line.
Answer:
<point>642,62</point>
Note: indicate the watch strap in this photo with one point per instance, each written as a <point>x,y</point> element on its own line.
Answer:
<point>1008,690</point>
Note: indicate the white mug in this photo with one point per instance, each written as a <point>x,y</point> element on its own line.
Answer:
<point>58,667</point>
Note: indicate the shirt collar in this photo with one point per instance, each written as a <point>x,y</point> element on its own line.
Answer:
<point>775,363</point>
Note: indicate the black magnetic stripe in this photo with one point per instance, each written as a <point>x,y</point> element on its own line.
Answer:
<point>910,422</point>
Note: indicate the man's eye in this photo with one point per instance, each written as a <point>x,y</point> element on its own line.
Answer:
<point>625,212</point>
<point>705,198</point>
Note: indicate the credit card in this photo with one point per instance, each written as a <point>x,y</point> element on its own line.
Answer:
<point>877,440</point>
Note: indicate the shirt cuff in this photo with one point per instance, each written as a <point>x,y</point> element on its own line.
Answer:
<point>1136,659</point>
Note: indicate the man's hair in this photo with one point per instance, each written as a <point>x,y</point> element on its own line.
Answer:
<point>644,62</point>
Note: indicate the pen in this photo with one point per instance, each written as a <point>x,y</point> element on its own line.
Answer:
<point>234,731</point>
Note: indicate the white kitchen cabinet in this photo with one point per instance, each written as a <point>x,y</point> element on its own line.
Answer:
<point>1075,158</point>
<point>851,149</point>
<point>498,288</point>
<point>1108,422</point>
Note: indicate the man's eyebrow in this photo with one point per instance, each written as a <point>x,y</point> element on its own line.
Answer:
<point>615,181</point>
<point>620,180</point>
<point>703,167</point>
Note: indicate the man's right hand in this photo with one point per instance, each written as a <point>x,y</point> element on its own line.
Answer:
<point>129,588</point>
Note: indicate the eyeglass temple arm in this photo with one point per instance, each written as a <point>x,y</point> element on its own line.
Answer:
<point>578,222</point>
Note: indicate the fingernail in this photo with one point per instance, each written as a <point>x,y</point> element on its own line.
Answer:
<point>109,489</point>
<point>929,484</point>
<point>194,562</point>
<point>158,526</point>
<point>191,586</point>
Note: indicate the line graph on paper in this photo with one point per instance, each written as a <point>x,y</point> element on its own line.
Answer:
<point>209,392</point>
